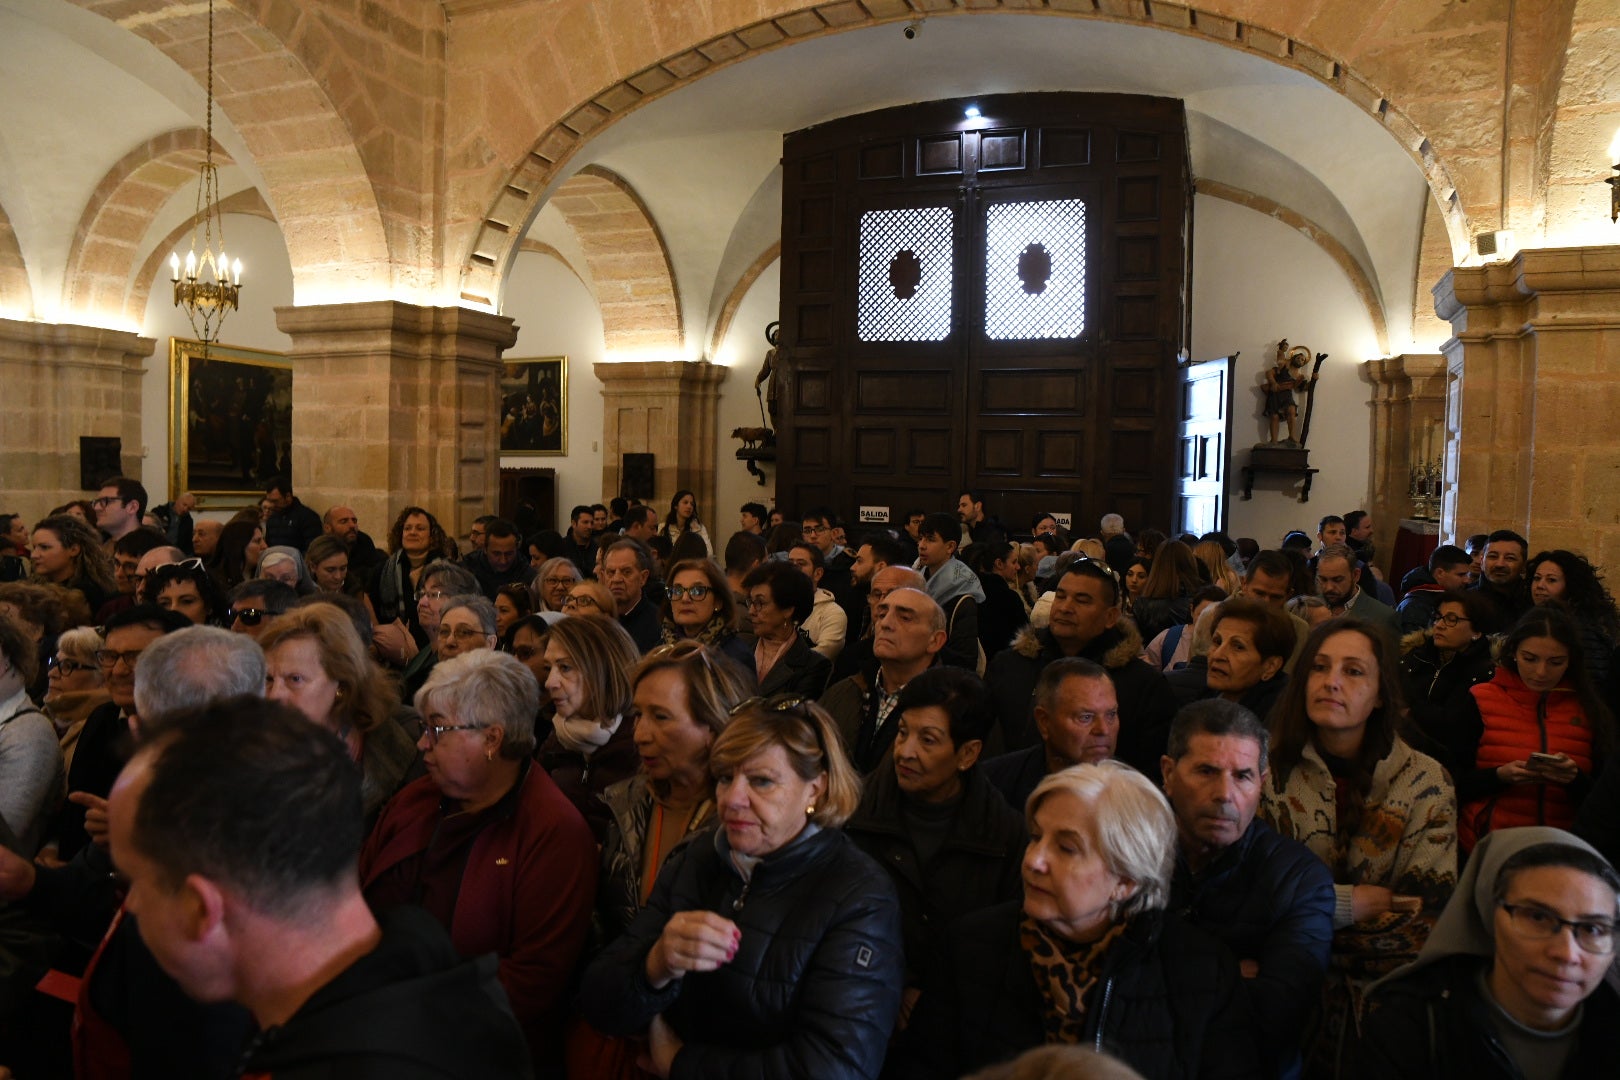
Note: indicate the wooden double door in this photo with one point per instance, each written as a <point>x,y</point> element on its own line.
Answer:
<point>991,302</point>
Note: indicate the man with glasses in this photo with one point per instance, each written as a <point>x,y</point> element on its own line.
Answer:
<point>627,567</point>
<point>837,576</point>
<point>254,603</point>
<point>1511,980</point>
<point>119,506</point>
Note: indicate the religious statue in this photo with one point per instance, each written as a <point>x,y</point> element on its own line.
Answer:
<point>767,374</point>
<point>759,444</point>
<point>1287,374</point>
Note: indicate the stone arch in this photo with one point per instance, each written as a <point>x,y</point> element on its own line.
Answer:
<point>16,294</point>
<point>734,298</point>
<point>106,242</point>
<point>287,113</point>
<point>495,238</point>
<point>626,258</point>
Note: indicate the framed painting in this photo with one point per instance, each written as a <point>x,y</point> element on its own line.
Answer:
<point>534,407</point>
<point>230,422</point>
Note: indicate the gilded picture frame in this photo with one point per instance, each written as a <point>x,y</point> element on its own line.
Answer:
<point>534,407</point>
<point>230,422</point>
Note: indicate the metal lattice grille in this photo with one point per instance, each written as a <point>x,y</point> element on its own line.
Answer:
<point>905,276</point>
<point>1035,270</point>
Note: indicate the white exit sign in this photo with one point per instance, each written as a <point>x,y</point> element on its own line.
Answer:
<point>874,515</point>
<point>1065,521</point>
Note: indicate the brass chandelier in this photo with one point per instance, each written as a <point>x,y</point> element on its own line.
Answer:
<point>207,284</point>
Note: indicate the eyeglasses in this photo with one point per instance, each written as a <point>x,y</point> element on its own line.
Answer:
<point>782,705</point>
<point>1534,922</point>
<point>696,592</point>
<point>555,581</point>
<point>66,667</point>
<point>813,530</point>
<point>105,500</point>
<point>108,658</point>
<point>183,564</point>
<point>433,732</point>
<point>1449,619</point>
<point>756,603</point>
<point>579,602</point>
<point>460,633</point>
<point>250,616</point>
<point>431,594</point>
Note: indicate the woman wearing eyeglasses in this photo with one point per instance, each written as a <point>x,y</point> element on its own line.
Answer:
<point>1511,982</point>
<point>77,687</point>
<point>775,950</point>
<point>701,607</point>
<point>589,598</point>
<point>488,845</point>
<point>590,747</point>
<point>552,582</point>
<point>315,662</point>
<point>780,598</point>
<point>1442,664</point>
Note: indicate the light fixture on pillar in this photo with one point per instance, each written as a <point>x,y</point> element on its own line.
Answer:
<point>207,284</point>
<point>1614,181</point>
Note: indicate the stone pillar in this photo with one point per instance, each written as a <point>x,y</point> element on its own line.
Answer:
<point>1409,412</point>
<point>1534,370</point>
<point>670,409</point>
<point>395,405</point>
<point>61,382</point>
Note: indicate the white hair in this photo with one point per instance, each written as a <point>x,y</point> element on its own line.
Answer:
<point>1131,822</point>
<point>191,668</point>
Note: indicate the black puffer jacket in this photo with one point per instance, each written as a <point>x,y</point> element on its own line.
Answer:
<point>1168,1003</point>
<point>1154,615</point>
<point>1269,899</point>
<point>1431,685</point>
<point>1146,703</point>
<point>1433,1025</point>
<point>814,988</point>
<point>979,864</point>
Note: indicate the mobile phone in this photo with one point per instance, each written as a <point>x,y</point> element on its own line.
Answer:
<point>1543,759</point>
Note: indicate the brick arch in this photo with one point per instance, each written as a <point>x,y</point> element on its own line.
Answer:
<point>294,118</point>
<point>16,294</point>
<point>626,258</point>
<point>495,239</point>
<point>106,243</point>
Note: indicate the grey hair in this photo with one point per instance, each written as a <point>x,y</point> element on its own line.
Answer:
<point>193,667</point>
<point>1059,671</point>
<point>549,567</point>
<point>1297,605</point>
<point>453,580</point>
<point>487,689</point>
<point>81,643</point>
<point>478,604</point>
<point>1203,631</point>
<point>1216,716</point>
<point>1337,551</point>
<point>909,578</point>
<point>1111,525</point>
<point>1130,822</point>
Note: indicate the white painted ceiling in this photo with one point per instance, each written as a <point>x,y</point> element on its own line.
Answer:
<point>700,155</point>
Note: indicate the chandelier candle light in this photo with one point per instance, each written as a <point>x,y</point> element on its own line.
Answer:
<point>210,283</point>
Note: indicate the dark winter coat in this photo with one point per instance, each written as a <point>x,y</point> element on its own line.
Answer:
<point>979,864</point>
<point>1146,704</point>
<point>801,670</point>
<point>295,527</point>
<point>411,1009</point>
<point>815,985</point>
<point>1001,615</point>
<point>1433,686</point>
<point>1167,1003</point>
<point>583,778</point>
<point>1154,615</point>
<point>1268,899</point>
<point>1016,775</point>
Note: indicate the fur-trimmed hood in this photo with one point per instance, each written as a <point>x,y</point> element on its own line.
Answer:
<point>1112,649</point>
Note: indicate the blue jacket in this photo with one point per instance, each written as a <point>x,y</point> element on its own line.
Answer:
<point>1270,900</point>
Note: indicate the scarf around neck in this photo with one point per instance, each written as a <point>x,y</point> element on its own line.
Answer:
<point>1065,971</point>
<point>583,736</point>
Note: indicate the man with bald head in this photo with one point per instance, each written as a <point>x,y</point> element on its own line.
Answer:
<point>908,632</point>
<point>342,522</point>
<point>205,536</point>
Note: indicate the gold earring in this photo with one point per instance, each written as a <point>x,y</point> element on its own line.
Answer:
<point>809,809</point>
<point>489,755</point>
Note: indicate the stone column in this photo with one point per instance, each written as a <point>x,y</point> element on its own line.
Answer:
<point>395,405</point>
<point>1534,369</point>
<point>670,409</point>
<point>1409,402</point>
<point>61,382</point>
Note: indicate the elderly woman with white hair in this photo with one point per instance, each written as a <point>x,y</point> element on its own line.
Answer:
<point>1089,956</point>
<point>487,844</point>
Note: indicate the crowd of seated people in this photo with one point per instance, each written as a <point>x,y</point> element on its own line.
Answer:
<point>922,801</point>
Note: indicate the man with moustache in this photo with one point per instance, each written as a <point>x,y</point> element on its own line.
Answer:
<point>1266,896</point>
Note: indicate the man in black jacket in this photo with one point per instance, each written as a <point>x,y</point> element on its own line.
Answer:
<point>499,561</point>
<point>1502,575</point>
<point>291,523</point>
<point>1267,897</point>
<point>269,913</point>
<point>1077,716</point>
<point>1086,622</point>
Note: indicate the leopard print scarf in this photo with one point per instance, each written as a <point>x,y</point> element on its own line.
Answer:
<point>1065,971</point>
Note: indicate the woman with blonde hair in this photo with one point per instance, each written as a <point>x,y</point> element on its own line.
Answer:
<point>316,662</point>
<point>589,598</point>
<point>1212,557</point>
<point>590,747</point>
<point>798,977</point>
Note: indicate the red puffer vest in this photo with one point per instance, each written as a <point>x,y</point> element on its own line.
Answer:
<point>1520,721</point>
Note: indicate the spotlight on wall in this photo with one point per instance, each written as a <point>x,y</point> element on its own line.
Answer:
<point>1614,193</point>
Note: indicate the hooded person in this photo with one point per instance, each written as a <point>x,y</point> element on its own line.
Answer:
<point>1499,990</point>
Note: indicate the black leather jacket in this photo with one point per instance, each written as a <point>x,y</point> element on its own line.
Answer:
<point>815,985</point>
